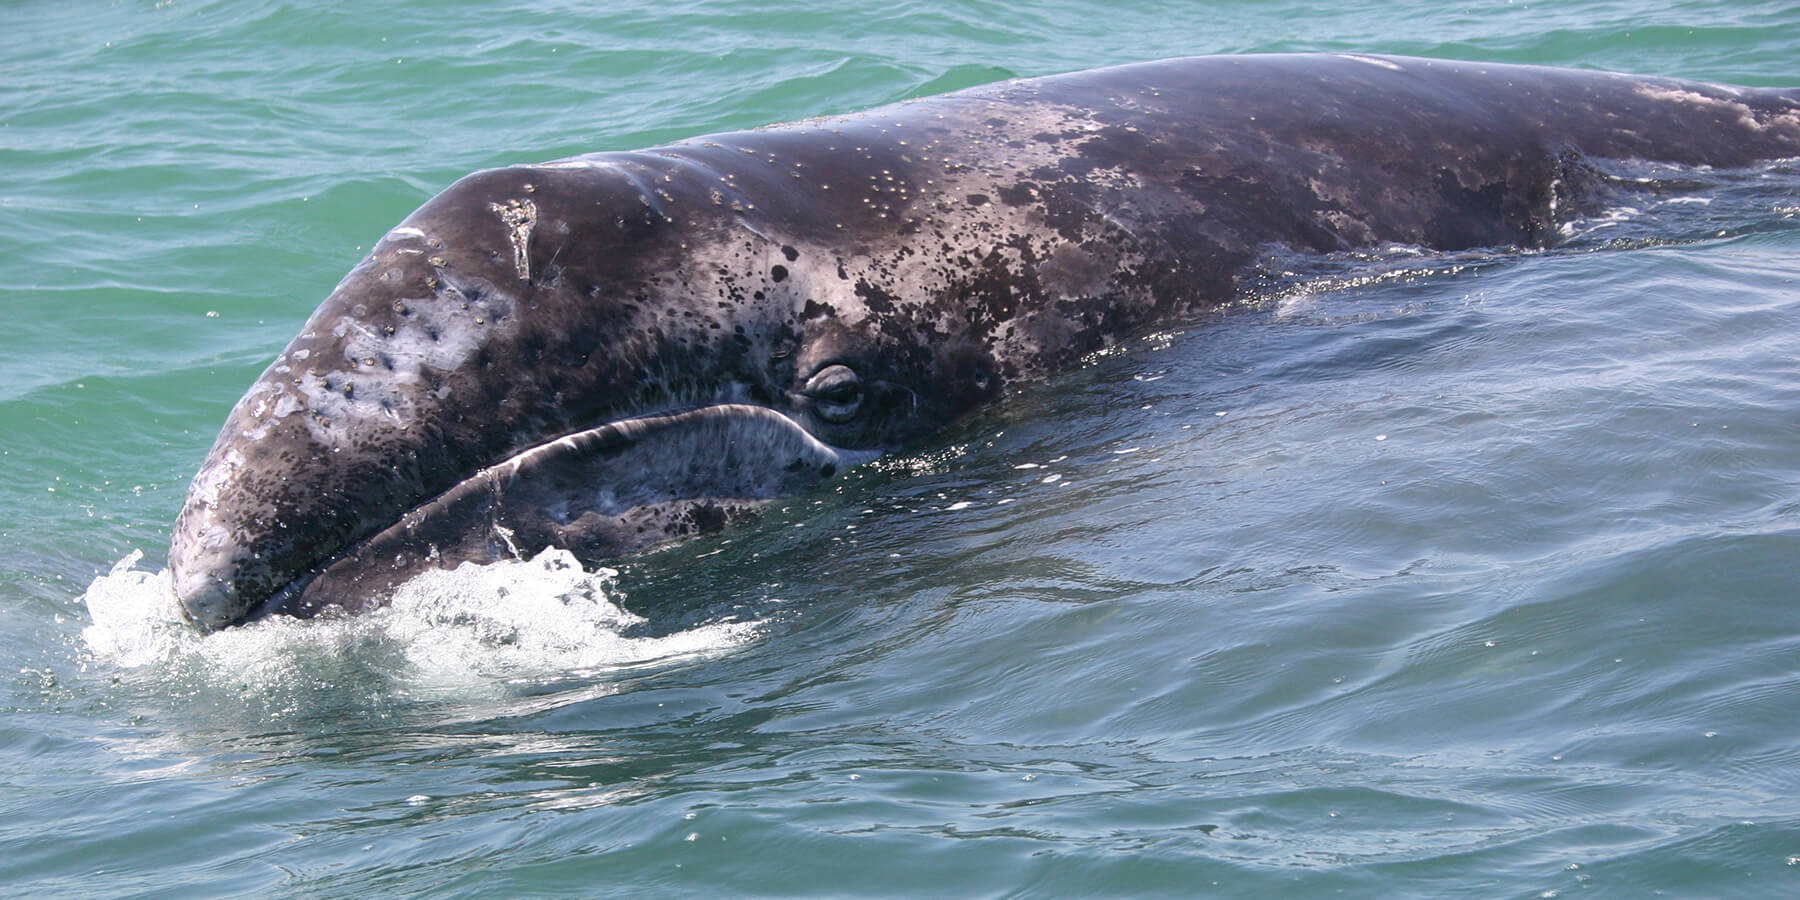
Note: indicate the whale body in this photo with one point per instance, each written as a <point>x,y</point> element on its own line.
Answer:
<point>619,349</point>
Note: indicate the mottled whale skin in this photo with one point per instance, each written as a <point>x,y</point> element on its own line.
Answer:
<point>617,349</point>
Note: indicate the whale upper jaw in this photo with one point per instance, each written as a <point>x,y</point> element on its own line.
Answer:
<point>600,492</point>
<point>207,600</point>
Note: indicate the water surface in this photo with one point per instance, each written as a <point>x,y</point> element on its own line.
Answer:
<point>1422,575</point>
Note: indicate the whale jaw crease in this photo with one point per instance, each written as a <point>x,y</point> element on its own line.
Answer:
<point>600,493</point>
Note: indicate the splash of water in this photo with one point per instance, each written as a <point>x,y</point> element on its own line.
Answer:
<point>470,630</point>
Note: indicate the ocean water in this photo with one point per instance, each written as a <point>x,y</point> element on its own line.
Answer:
<point>1421,575</point>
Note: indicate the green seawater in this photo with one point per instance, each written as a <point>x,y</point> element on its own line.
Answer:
<point>1468,576</point>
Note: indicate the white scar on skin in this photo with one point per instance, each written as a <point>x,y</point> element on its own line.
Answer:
<point>1373,61</point>
<point>520,216</point>
<point>1745,115</point>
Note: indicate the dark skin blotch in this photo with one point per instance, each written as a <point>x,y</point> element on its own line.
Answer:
<point>1019,194</point>
<point>878,300</point>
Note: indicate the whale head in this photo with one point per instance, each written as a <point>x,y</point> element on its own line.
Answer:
<point>597,354</point>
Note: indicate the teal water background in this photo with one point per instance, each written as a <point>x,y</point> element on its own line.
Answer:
<point>1461,576</point>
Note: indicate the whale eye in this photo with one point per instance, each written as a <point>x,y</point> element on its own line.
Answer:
<point>836,392</point>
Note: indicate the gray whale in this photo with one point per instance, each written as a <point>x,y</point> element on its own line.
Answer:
<point>619,349</point>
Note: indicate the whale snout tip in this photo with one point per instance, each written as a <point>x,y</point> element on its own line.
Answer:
<point>206,600</point>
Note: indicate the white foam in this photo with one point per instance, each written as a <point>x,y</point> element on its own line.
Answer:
<point>131,627</point>
<point>467,631</point>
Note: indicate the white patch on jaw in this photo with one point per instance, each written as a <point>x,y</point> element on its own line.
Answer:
<point>387,375</point>
<point>267,415</point>
<point>1373,61</point>
<point>404,232</point>
<point>211,480</point>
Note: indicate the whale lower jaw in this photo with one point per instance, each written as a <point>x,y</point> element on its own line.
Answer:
<point>599,493</point>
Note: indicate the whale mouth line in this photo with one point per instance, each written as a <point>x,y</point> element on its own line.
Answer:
<point>600,492</point>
